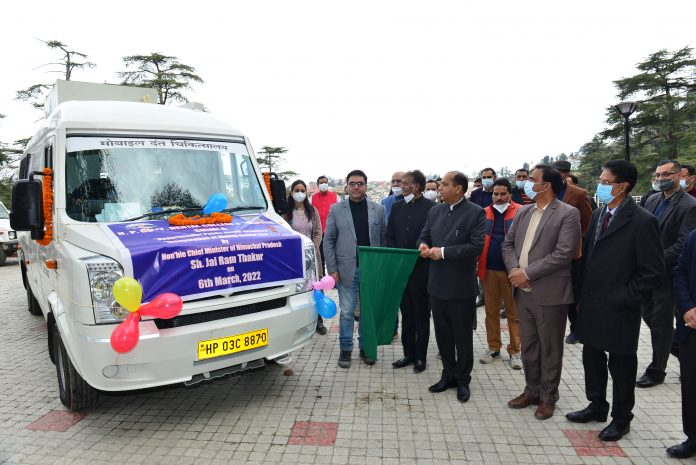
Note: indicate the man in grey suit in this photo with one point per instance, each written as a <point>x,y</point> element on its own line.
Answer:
<point>357,221</point>
<point>452,239</point>
<point>537,252</point>
<point>675,211</point>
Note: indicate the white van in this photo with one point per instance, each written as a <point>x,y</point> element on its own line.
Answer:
<point>119,171</point>
<point>8,237</point>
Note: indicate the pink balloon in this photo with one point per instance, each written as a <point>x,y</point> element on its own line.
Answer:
<point>329,282</point>
<point>165,306</point>
<point>318,286</point>
<point>126,335</point>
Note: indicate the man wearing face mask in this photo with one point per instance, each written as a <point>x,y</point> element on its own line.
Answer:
<point>395,193</point>
<point>675,211</point>
<point>622,264</point>
<point>687,177</point>
<point>492,273</point>
<point>404,227</point>
<point>322,201</point>
<point>483,196</point>
<point>430,192</point>
<point>518,195</point>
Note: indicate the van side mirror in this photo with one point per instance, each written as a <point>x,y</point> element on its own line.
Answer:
<point>280,200</point>
<point>27,207</point>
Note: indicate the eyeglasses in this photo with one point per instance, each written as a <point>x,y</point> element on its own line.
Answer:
<point>664,175</point>
<point>356,184</point>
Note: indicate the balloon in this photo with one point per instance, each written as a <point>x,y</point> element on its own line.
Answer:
<point>216,203</point>
<point>126,335</point>
<point>318,286</point>
<point>325,306</point>
<point>165,305</point>
<point>329,282</point>
<point>128,293</point>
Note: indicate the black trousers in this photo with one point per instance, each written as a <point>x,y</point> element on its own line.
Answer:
<point>623,369</point>
<point>321,252</point>
<point>415,317</point>
<point>687,368</point>
<point>658,314</point>
<point>453,320</point>
<point>575,280</point>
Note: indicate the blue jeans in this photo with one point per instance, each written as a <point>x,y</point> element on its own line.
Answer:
<point>347,298</point>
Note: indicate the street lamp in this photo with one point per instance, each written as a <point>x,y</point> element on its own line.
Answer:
<point>626,109</point>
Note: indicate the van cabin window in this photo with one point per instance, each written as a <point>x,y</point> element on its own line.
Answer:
<point>110,179</point>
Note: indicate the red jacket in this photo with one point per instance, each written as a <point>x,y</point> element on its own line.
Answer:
<point>322,201</point>
<point>490,218</point>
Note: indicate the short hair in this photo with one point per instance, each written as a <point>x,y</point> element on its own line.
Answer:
<point>433,180</point>
<point>418,177</point>
<point>551,175</point>
<point>667,161</point>
<point>322,177</point>
<point>356,173</point>
<point>503,182</point>
<point>489,169</point>
<point>460,179</point>
<point>623,171</point>
<point>522,169</point>
<point>689,169</point>
<point>574,178</point>
<point>477,180</point>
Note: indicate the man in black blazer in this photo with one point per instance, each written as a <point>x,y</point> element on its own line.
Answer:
<point>675,211</point>
<point>685,336</point>
<point>452,239</point>
<point>404,226</point>
<point>622,264</point>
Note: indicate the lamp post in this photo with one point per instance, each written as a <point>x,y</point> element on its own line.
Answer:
<point>626,109</point>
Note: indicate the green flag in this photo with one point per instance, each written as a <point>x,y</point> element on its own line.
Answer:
<point>384,273</point>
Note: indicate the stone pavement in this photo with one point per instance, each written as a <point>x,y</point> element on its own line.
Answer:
<point>320,414</point>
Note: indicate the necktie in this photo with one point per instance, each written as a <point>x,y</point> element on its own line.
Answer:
<point>605,221</point>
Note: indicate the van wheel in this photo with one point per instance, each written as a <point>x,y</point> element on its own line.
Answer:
<point>32,303</point>
<point>23,269</point>
<point>75,393</point>
<point>3,257</point>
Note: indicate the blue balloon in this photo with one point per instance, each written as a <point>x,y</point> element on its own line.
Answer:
<point>216,203</point>
<point>325,306</point>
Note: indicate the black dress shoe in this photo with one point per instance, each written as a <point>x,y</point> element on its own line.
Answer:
<point>402,362</point>
<point>586,415</point>
<point>615,430</point>
<point>444,384</point>
<point>321,329</point>
<point>684,450</point>
<point>418,366</point>
<point>463,393</point>
<point>647,381</point>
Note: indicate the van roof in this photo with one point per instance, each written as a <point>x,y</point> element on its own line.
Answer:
<point>111,116</point>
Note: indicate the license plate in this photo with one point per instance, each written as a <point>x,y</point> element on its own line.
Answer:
<point>232,344</point>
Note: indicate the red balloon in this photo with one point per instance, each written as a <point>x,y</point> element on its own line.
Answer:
<point>126,335</point>
<point>165,306</point>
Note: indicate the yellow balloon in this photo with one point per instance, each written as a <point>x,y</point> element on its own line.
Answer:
<point>128,293</point>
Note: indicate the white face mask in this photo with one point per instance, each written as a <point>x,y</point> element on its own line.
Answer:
<point>299,196</point>
<point>408,198</point>
<point>501,208</point>
<point>430,195</point>
<point>396,190</point>
<point>323,187</point>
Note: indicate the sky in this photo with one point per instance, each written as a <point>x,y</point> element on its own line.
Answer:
<point>374,85</point>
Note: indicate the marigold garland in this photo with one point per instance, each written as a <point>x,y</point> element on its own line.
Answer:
<point>47,207</point>
<point>214,218</point>
<point>267,180</point>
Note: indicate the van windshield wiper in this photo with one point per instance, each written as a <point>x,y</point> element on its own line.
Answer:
<point>243,208</point>
<point>166,210</point>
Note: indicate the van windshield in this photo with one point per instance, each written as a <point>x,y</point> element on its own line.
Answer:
<point>3,213</point>
<point>109,179</point>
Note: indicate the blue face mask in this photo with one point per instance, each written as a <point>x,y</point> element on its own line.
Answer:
<point>487,183</point>
<point>520,184</point>
<point>682,183</point>
<point>604,193</point>
<point>528,189</point>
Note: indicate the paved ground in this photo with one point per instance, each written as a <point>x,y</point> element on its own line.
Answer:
<point>321,414</point>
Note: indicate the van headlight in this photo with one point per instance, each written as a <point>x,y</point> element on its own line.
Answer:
<point>103,273</point>
<point>310,264</point>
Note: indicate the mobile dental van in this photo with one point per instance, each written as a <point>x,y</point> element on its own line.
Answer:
<point>98,183</point>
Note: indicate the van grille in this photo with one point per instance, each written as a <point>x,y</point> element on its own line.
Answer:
<point>203,317</point>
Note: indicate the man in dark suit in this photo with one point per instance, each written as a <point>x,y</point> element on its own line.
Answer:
<point>518,195</point>
<point>453,239</point>
<point>622,264</point>
<point>578,198</point>
<point>483,196</point>
<point>537,252</point>
<point>676,215</point>
<point>685,336</point>
<point>404,226</point>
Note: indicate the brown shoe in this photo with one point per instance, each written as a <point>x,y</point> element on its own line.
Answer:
<point>544,411</point>
<point>523,400</point>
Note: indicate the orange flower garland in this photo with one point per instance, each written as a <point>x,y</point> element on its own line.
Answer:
<point>267,180</point>
<point>214,218</point>
<point>47,207</point>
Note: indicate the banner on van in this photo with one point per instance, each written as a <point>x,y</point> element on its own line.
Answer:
<point>199,260</point>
